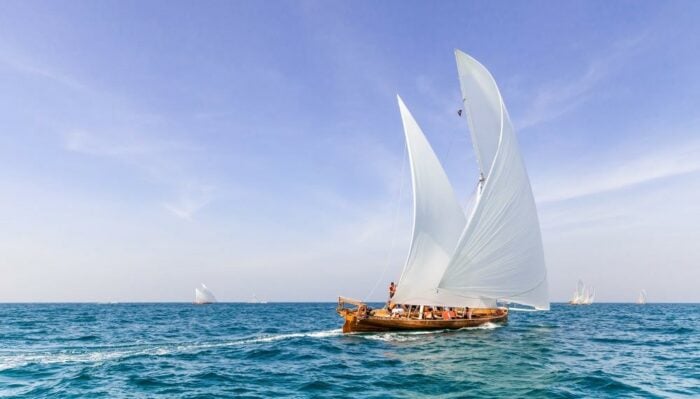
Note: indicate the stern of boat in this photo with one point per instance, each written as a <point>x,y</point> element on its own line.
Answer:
<point>350,310</point>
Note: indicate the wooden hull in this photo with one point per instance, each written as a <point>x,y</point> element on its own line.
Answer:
<point>353,323</point>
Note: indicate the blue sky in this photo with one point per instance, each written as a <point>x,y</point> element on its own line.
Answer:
<point>257,146</point>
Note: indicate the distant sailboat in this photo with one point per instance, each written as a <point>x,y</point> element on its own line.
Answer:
<point>642,298</point>
<point>461,262</point>
<point>203,295</point>
<point>583,295</point>
<point>578,295</point>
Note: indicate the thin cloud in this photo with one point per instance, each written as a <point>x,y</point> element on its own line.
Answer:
<point>152,157</point>
<point>664,163</point>
<point>558,98</point>
<point>193,199</point>
<point>24,66</point>
<point>83,142</point>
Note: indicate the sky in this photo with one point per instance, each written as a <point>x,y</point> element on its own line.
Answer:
<point>257,147</point>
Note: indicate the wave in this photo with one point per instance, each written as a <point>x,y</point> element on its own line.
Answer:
<point>16,360</point>
<point>407,336</point>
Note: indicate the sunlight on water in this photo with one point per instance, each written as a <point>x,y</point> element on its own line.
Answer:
<point>180,350</point>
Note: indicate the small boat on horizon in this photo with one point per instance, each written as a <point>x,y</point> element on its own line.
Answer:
<point>642,298</point>
<point>583,295</point>
<point>203,295</point>
<point>463,262</point>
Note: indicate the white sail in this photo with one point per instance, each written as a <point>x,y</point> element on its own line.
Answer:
<point>203,294</point>
<point>642,299</point>
<point>499,255</point>
<point>580,289</point>
<point>591,297</point>
<point>582,295</point>
<point>587,296</point>
<point>575,300</point>
<point>494,254</point>
<point>438,220</point>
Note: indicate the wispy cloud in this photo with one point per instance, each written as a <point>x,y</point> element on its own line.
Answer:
<point>193,198</point>
<point>557,98</point>
<point>625,172</point>
<point>22,65</point>
<point>155,157</point>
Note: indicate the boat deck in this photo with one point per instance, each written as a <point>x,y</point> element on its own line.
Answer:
<point>380,320</point>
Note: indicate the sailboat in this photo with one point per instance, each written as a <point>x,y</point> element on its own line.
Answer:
<point>462,262</point>
<point>642,298</point>
<point>203,295</point>
<point>578,296</point>
<point>583,295</point>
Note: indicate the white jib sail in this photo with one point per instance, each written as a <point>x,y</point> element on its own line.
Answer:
<point>203,294</point>
<point>438,220</point>
<point>499,255</point>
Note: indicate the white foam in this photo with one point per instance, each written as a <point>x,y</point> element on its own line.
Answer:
<point>16,360</point>
<point>415,335</point>
<point>485,326</point>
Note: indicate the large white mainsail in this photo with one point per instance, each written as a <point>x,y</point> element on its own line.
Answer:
<point>500,255</point>
<point>203,295</point>
<point>498,252</point>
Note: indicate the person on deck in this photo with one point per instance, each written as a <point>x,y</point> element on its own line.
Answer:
<point>392,290</point>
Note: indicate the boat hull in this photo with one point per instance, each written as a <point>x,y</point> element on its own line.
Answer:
<point>355,323</point>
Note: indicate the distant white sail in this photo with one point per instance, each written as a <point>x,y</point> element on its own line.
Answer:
<point>496,252</point>
<point>587,296</point>
<point>642,299</point>
<point>583,295</point>
<point>203,295</point>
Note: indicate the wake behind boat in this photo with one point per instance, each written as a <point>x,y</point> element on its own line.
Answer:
<point>462,261</point>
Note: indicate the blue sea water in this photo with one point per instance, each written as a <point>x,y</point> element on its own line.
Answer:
<point>297,350</point>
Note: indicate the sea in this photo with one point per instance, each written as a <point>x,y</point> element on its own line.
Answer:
<point>297,350</point>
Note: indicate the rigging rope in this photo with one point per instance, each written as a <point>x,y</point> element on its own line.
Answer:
<point>394,227</point>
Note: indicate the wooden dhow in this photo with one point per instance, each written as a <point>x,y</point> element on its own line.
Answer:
<point>364,319</point>
<point>461,262</point>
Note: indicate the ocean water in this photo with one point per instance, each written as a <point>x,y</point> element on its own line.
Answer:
<point>297,350</point>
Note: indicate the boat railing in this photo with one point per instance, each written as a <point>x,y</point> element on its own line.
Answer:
<point>343,301</point>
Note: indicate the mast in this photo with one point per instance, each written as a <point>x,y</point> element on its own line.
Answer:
<point>495,253</point>
<point>499,255</point>
<point>438,220</point>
